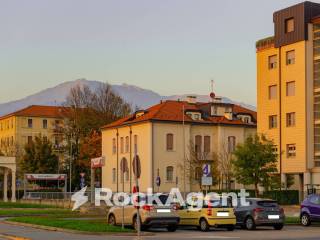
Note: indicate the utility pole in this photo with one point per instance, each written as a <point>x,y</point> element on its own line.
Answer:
<point>184,154</point>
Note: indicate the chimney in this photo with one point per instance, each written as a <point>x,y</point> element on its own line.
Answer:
<point>191,99</point>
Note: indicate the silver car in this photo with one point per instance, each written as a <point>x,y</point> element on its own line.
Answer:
<point>151,215</point>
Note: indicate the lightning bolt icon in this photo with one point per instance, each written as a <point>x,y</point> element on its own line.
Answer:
<point>79,198</point>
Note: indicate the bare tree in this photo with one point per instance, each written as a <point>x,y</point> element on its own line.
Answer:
<point>193,163</point>
<point>225,158</point>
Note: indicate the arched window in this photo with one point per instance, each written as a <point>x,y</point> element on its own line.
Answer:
<point>127,144</point>
<point>169,142</point>
<point>114,176</point>
<point>206,144</point>
<point>135,144</point>
<point>114,146</point>
<point>169,174</point>
<point>198,143</point>
<point>231,144</point>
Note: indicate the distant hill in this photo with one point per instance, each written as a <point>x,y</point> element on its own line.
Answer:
<point>136,96</point>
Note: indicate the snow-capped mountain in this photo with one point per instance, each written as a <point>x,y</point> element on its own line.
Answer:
<point>136,96</point>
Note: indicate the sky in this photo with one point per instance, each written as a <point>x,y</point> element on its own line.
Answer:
<point>168,46</point>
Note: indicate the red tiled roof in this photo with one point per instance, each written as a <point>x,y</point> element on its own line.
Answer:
<point>239,109</point>
<point>173,111</point>
<point>39,111</point>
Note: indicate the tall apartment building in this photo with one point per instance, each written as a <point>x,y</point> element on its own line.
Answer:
<point>288,88</point>
<point>21,127</point>
<point>162,135</point>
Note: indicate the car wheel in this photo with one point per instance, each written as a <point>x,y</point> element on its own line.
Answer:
<point>230,228</point>
<point>305,219</point>
<point>112,220</point>
<point>204,226</point>
<point>249,223</point>
<point>172,228</point>
<point>278,226</point>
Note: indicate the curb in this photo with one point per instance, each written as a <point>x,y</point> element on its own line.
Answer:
<point>56,229</point>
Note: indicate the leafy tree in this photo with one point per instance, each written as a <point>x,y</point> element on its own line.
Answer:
<point>255,161</point>
<point>38,157</point>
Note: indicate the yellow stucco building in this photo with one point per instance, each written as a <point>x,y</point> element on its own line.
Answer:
<point>20,127</point>
<point>162,135</point>
<point>288,91</point>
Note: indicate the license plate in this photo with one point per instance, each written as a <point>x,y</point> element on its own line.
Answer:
<point>273,216</point>
<point>163,210</point>
<point>222,214</point>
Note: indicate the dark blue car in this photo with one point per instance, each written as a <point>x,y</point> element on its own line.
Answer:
<point>310,210</point>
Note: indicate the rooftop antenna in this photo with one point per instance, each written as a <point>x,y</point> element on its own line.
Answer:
<point>212,94</point>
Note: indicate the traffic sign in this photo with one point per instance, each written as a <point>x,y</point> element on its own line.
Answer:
<point>206,181</point>
<point>206,170</point>
<point>158,181</point>
<point>136,164</point>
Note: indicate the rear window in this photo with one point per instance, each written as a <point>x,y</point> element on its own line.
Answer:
<point>267,203</point>
<point>218,203</point>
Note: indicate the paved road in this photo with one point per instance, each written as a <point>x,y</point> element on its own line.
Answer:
<point>290,232</point>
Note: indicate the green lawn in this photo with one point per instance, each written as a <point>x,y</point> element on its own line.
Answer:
<point>23,205</point>
<point>26,211</point>
<point>73,224</point>
<point>292,220</point>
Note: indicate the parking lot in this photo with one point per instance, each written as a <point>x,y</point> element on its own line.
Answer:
<point>289,232</point>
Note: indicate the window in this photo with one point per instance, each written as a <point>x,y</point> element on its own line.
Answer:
<point>126,176</point>
<point>169,174</point>
<point>206,144</point>
<point>290,57</point>
<point>29,123</point>
<point>231,144</point>
<point>291,88</point>
<point>169,142</point>
<point>315,199</point>
<point>275,148</point>
<point>29,139</point>
<point>291,150</point>
<point>198,143</point>
<point>289,25</point>
<point>273,92</point>
<point>121,145</point>
<point>273,121</point>
<point>135,144</point>
<point>198,173</point>
<point>11,141</point>
<point>45,123</point>
<point>127,144</point>
<point>291,119</point>
<point>114,175</point>
<point>272,61</point>
<point>114,146</point>
<point>45,138</point>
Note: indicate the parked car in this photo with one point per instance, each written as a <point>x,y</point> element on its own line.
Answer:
<point>151,215</point>
<point>310,210</point>
<point>260,212</point>
<point>212,214</point>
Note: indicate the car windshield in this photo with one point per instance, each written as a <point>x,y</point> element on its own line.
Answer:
<point>267,203</point>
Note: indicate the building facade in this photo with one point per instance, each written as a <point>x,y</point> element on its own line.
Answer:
<point>288,88</point>
<point>20,127</point>
<point>164,137</point>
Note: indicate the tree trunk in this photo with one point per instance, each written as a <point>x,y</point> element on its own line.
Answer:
<point>256,189</point>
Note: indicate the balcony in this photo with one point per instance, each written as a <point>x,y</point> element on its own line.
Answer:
<point>205,156</point>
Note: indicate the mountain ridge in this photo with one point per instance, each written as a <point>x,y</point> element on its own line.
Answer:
<point>136,96</point>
